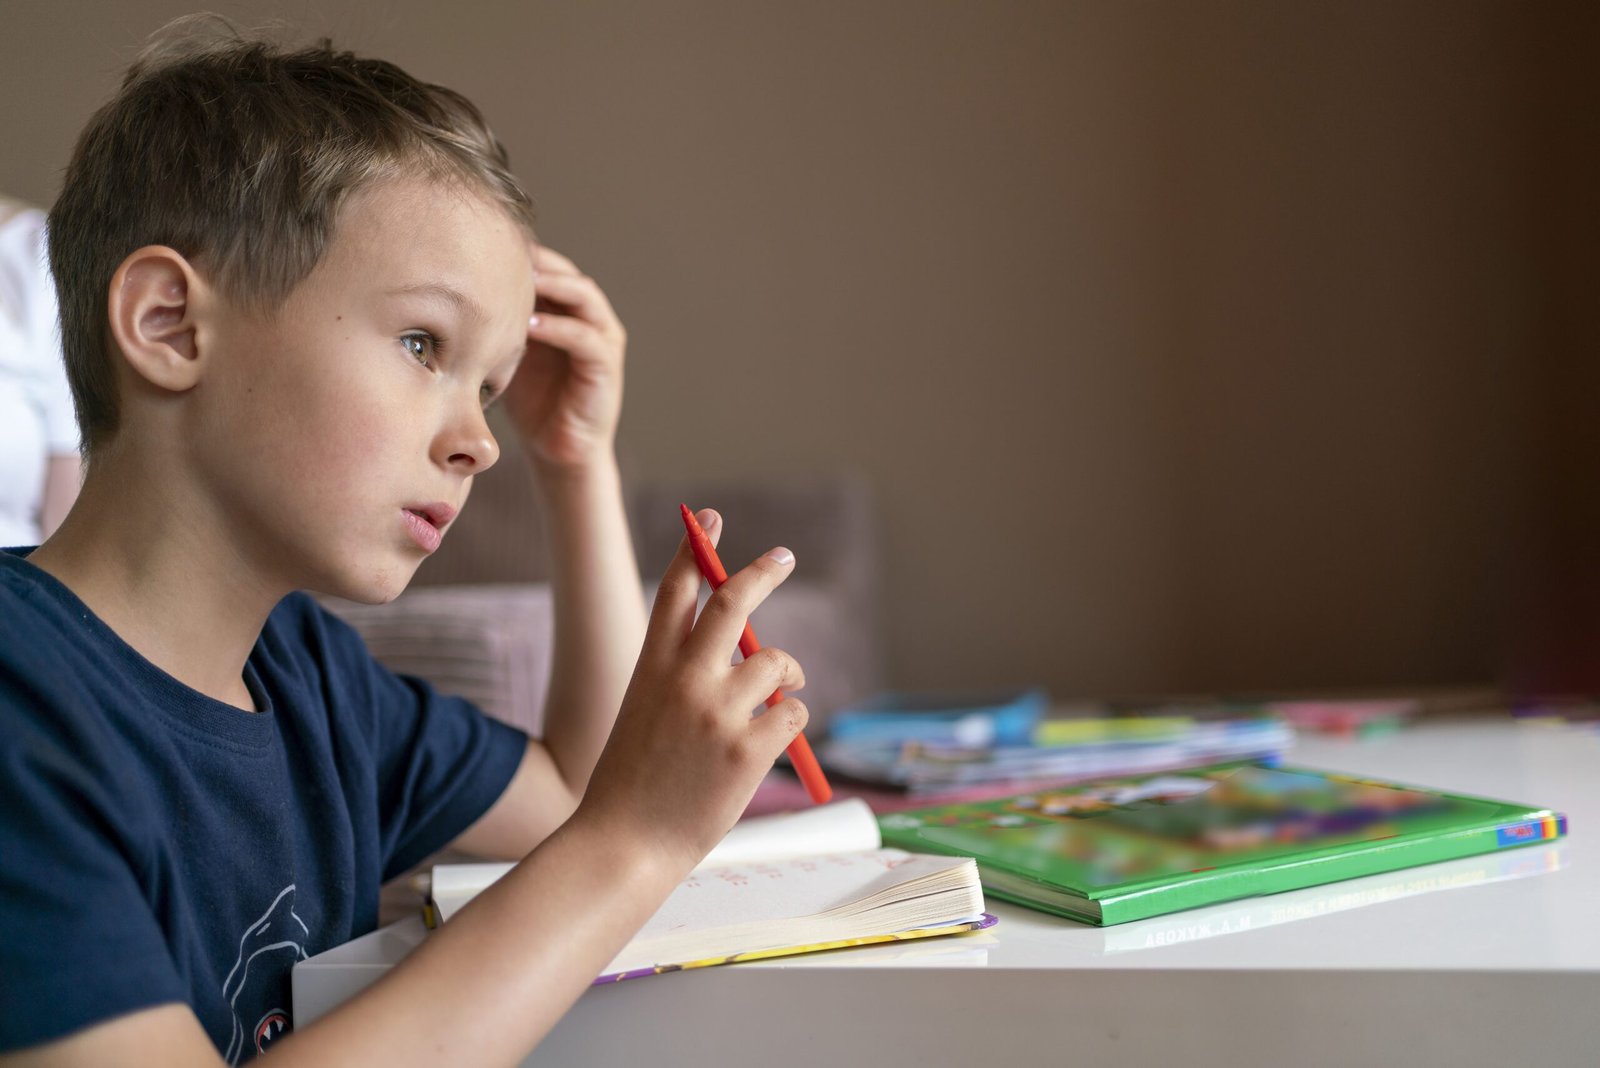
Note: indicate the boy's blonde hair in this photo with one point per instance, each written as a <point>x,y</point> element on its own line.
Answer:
<point>237,153</point>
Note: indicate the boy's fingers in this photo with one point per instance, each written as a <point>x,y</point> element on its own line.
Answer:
<point>548,259</point>
<point>583,296</point>
<point>769,669</point>
<point>773,730</point>
<point>716,633</point>
<point>582,341</point>
<point>672,616</point>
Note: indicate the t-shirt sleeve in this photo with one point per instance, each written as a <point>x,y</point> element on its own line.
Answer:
<point>440,762</point>
<point>81,943</point>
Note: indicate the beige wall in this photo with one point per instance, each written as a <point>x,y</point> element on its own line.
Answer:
<point>1188,345</point>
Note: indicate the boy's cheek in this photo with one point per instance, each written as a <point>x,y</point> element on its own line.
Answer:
<point>361,436</point>
<point>321,454</point>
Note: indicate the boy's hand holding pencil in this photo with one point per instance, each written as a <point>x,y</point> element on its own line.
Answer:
<point>685,755</point>
<point>805,763</point>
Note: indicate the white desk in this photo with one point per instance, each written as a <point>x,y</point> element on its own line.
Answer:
<point>1490,960</point>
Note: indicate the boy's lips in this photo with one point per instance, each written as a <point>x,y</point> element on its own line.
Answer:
<point>426,522</point>
<point>438,513</point>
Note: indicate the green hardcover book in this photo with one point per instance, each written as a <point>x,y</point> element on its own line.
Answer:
<point>1123,849</point>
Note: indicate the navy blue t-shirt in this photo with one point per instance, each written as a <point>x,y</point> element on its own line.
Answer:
<point>159,846</point>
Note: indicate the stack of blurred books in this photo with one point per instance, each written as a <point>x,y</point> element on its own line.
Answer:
<point>1562,709</point>
<point>973,745</point>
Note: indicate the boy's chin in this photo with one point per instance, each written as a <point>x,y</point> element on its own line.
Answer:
<point>369,587</point>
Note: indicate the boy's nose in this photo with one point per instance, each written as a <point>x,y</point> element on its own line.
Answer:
<point>468,444</point>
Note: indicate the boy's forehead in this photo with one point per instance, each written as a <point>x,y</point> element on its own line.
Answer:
<point>420,232</point>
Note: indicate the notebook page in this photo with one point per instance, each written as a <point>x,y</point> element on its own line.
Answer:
<point>773,890</point>
<point>841,827</point>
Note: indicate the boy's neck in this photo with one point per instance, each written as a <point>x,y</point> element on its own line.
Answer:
<point>155,572</point>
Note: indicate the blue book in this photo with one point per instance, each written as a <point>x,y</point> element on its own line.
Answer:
<point>1005,717</point>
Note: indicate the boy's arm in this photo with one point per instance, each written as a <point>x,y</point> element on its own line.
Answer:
<point>487,986</point>
<point>599,614</point>
<point>483,990</point>
<point>599,625</point>
<point>565,401</point>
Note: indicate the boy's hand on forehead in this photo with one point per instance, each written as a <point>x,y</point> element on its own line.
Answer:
<point>567,395</point>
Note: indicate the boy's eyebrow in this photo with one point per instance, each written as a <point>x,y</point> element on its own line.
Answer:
<point>446,293</point>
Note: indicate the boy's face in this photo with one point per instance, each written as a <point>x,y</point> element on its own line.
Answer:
<point>343,429</point>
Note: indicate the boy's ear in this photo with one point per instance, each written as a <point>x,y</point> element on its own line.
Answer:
<point>154,308</point>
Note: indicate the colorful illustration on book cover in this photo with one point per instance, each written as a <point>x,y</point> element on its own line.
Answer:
<point>1152,826</point>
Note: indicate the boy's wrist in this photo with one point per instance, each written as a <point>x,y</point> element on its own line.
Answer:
<point>638,855</point>
<point>577,492</point>
<point>600,466</point>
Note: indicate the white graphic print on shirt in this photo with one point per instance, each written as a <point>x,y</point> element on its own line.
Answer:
<point>276,936</point>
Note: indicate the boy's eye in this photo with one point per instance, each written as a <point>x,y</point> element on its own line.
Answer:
<point>422,347</point>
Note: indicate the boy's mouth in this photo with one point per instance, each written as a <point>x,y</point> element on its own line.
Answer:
<point>438,514</point>
<point>426,522</point>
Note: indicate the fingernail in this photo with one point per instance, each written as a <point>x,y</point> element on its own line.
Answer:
<point>782,556</point>
<point>533,320</point>
<point>708,520</point>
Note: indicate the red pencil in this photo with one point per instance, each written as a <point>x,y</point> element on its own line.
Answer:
<point>805,764</point>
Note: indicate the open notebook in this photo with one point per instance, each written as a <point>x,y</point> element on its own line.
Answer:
<point>779,885</point>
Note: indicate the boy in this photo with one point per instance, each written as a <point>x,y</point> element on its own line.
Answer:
<point>290,283</point>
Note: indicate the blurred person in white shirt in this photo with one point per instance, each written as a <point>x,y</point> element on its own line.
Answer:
<point>39,465</point>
